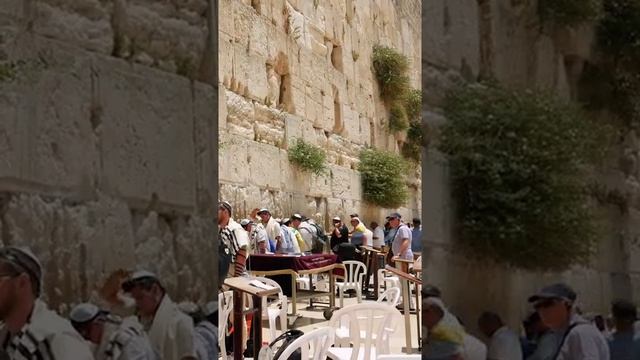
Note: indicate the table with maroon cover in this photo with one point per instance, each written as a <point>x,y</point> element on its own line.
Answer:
<point>284,269</point>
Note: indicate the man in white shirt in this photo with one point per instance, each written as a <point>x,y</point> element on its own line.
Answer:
<point>580,340</point>
<point>171,332</point>
<point>235,238</point>
<point>401,246</point>
<point>504,344</point>
<point>28,329</point>
<point>378,235</point>
<point>257,236</point>
<point>271,226</point>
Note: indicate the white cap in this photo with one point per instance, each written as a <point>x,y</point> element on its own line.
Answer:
<point>337,218</point>
<point>84,312</point>
<point>263,210</point>
<point>138,275</point>
<point>188,307</point>
<point>245,222</point>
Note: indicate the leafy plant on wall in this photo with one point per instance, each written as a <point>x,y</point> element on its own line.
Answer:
<point>383,178</point>
<point>404,103</point>
<point>519,162</point>
<point>308,157</point>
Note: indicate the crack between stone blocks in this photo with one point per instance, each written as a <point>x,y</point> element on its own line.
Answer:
<point>5,233</point>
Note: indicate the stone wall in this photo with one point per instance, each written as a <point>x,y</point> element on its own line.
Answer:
<point>107,115</point>
<point>302,69</point>
<point>503,38</point>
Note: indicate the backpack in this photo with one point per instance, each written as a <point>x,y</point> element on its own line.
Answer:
<point>320,240</point>
<point>288,337</point>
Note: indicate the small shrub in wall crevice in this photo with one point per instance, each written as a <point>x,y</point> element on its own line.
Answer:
<point>398,120</point>
<point>519,163</point>
<point>308,157</point>
<point>383,178</point>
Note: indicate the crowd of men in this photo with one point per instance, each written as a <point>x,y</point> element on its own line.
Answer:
<point>555,330</point>
<point>153,328</point>
<point>262,233</point>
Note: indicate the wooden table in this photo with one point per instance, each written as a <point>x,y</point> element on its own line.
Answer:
<point>241,286</point>
<point>274,270</point>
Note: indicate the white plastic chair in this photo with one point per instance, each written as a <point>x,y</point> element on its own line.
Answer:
<point>390,297</point>
<point>225,307</point>
<point>320,340</point>
<point>274,309</point>
<point>354,276</point>
<point>374,322</point>
<point>387,281</point>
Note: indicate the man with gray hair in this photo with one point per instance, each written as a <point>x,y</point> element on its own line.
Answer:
<point>113,338</point>
<point>29,329</point>
<point>580,340</point>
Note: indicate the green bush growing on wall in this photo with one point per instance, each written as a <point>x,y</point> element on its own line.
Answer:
<point>413,104</point>
<point>398,120</point>
<point>618,32</point>
<point>518,163</point>
<point>383,178</point>
<point>569,12</point>
<point>308,157</point>
<point>391,68</point>
<point>412,148</point>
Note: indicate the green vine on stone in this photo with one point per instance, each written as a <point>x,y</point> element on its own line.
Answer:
<point>308,157</point>
<point>383,178</point>
<point>519,161</point>
<point>391,73</point>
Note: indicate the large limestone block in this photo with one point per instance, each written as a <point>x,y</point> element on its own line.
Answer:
<point>335,207</point>
<point>258,43</point>
<point>293,129</point>
<point>450,33</point>
<point>225,17</point>
<point>240,111</point>
<point>265,165</point>
<point>293,178</point>
<point>233,163</point>
<point>83,23</point>
<point>225,59</point>
<point>257,86</point>
<point>320,185</point>
<point>244,18</point>
<point>205,117</point>
<point>46,135</point>
<point>345,183</point>
<point>171,37</point>
<point>147,138</point>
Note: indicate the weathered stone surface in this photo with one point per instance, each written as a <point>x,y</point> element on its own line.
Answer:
<point>134,137</point>
<point>47,137</point>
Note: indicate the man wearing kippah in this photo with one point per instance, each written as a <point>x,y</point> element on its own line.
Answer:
<point>171,332</point>
<point>30,330</point>
<point>113,338</point>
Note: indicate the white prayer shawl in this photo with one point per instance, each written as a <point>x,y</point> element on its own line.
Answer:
<point>46,336</point>
<point>172,333</point>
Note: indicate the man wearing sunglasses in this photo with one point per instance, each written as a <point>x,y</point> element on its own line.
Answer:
<point>29,329</point>
<point>580,340</point>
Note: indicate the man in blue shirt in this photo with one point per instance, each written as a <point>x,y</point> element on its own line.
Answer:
<point>416,236</point>
<point>623,344</point>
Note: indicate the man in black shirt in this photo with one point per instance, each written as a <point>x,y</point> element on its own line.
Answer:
<point>340,233</point>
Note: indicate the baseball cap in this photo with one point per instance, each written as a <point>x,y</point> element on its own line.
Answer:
<point>337,218</point>
<point>296,217</point>
<point>25,261</point>
<point>245,222</point>
<point>138,277</point>
<point>85,312</point>
<point>558,291</point>
<point>354,215</point>
<point>263,210</point>
<point>394,215</point>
